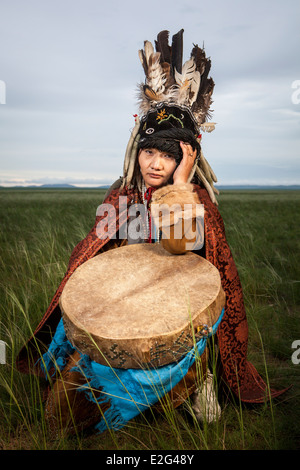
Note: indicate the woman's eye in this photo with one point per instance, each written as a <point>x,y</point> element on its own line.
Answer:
<point>168,156</point>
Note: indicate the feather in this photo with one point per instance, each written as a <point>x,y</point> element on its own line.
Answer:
<point>201,107</point>
<point>155,78</point>
<point>205,75</point>
<point>143,61</point>
<point>189,82</point>
<point>143,100</point>
<point>177,49</point>
<point>159,81</point>
<point>208,126</point>
<point>167,80</point>
<point>206,98</point>
<point>195,85</point>
<point>167,71</point>
<point>150,93</point>
<point>148,48</point>
<point>171,94</point>
<point>187,72</point>
<point>200,58</point>
<point>202,103</point>
<point>162,46</point>
<point>145,55</point>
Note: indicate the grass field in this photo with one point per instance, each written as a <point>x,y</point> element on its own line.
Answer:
<point>39,228</point>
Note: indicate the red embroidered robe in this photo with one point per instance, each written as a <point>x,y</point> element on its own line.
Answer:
<point>239,374</point>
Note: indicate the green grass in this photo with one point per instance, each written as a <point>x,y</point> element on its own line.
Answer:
<point>39,229</point>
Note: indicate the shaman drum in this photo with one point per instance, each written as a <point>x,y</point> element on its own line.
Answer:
<point>139,306</point>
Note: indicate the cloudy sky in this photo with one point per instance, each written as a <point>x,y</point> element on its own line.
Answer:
<point>69,70</point>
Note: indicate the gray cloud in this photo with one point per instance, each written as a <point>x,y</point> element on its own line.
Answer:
<point>71,70</point>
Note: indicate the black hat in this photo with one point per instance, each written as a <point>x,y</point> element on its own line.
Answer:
<point>165,126</point>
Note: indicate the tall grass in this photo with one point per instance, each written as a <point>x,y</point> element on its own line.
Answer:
<point>39,229</point>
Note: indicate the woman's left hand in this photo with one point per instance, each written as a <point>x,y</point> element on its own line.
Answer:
<point>183,170</point>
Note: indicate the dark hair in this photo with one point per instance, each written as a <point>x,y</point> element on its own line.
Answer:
<point>168,140</point>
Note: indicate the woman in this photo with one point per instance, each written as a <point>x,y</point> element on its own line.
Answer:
<point>163,164</point>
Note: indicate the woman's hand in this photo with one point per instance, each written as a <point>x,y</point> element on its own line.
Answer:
<point>183,170</point>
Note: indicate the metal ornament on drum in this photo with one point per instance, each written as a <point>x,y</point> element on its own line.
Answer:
<point>139,306</point>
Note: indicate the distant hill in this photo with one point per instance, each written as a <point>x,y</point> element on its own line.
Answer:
<point>65,186</point>
<point>57,186</point>
<point>257,187</point>
<point>220,187</point>
<point>54,186</point>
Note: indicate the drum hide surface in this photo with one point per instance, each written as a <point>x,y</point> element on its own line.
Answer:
<point>139,306</point>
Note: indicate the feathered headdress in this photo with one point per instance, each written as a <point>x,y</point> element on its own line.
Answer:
<point>174,94</point>
<point>170,81</point>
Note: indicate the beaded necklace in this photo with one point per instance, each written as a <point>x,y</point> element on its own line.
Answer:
<point>146,196</point>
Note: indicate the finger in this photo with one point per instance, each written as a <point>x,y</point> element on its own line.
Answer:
<point>187,150</point>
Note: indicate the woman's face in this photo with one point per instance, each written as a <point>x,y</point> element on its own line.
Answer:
<point>156,167</point>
